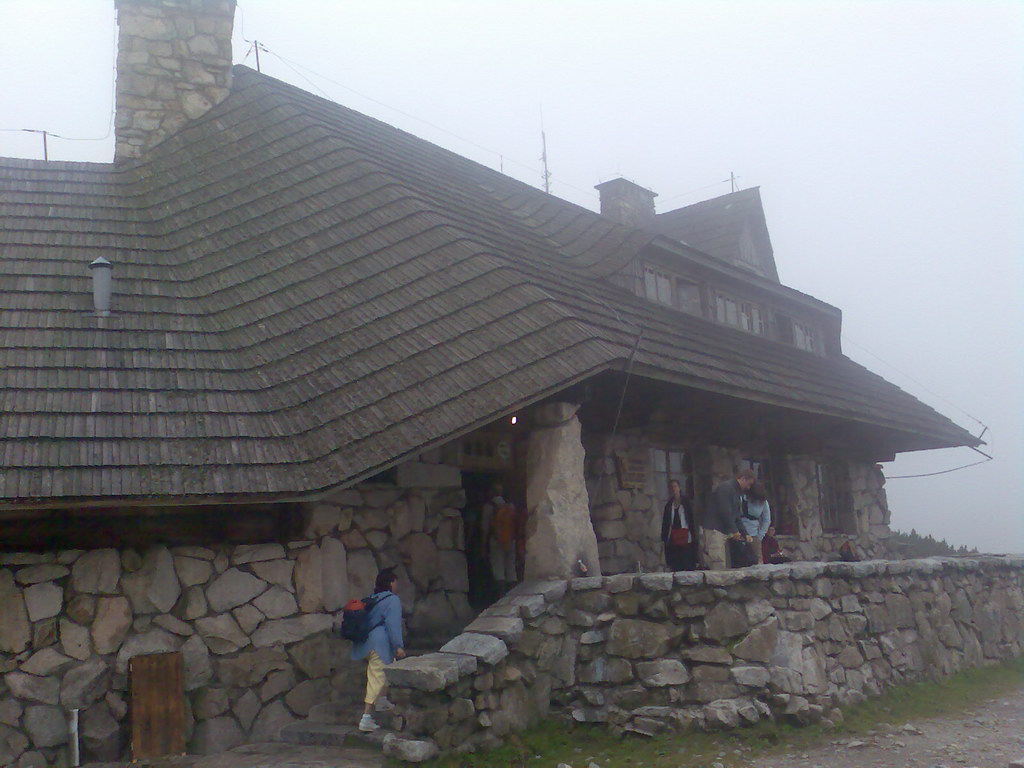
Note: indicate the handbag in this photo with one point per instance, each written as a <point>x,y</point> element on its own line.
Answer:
<point>679,537</point>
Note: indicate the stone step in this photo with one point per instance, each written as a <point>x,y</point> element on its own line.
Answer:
<point>330,735</point>
<point>346,713</point>
<point>340,712</point>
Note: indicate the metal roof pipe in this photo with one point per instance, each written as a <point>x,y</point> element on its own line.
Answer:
<point>101,285</point>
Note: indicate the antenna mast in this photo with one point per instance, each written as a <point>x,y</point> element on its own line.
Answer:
<point>544,160</point>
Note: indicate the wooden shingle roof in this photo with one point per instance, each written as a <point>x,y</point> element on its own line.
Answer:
<point>303,294</point>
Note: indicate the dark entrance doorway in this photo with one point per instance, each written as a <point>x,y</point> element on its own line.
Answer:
<point>490,457</point>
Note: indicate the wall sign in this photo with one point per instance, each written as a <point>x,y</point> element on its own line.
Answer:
<point>632,469</point>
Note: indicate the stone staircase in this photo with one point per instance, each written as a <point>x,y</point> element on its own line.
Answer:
<point>333,724</point>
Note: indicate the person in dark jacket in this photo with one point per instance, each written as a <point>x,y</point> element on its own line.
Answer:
<point>678,531</point>
<point>382,645</point>
<point>725,506</point>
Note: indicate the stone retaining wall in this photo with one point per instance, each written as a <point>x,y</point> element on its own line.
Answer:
<point>253,622</point>
<point>649,652</point>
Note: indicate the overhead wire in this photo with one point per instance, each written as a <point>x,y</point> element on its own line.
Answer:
<point>112,110</point>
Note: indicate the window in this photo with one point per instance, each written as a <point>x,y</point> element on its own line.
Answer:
<point>688,297</point>
<point>773,475</point>
<point>727,310</point>
<point>669,465</point>
<point>657,286</point>
<point>739,314</point>
<point>750,318</point>
<point>834,500</point>
<point>804,337</point>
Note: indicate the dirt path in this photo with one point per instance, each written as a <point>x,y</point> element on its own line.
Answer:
<point>987,735</point>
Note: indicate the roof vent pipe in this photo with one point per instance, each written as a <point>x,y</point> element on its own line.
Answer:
<point>101,274</point>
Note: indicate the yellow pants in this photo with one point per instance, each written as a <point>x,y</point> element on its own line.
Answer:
<point>374,677</point>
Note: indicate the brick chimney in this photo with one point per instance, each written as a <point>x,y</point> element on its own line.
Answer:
<point>173,65</point>
<point>626,202</point>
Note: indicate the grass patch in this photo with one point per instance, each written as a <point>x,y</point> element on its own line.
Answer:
<point>553,742</point>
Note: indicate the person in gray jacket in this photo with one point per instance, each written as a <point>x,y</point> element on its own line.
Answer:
<point>725,506</point>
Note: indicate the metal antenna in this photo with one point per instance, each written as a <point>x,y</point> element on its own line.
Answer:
<point>544,159</point>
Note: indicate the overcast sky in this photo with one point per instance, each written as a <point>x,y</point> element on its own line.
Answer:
<point>886,137</point>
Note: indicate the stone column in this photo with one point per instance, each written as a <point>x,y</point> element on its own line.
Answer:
<point>559,531</point>
<point>173,66</point>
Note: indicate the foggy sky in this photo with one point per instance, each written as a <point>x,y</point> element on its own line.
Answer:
<point>887,139</point>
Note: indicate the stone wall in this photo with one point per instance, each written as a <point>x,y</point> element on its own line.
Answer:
<point>649,652</point>
<point>627,521</point>
<point>253,622</point>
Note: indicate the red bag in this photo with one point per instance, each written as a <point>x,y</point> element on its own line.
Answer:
<point>679,537</point>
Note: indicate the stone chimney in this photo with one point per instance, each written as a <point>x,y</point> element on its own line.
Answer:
<point>626,202</point>
<point>173,65</point>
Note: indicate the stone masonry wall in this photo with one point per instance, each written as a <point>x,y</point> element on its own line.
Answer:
<point>253,622</point>
<point>649,652</point>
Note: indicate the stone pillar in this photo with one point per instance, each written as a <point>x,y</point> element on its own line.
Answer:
<point>559,531</point>
<point>173,65</point>
<point>626,202</point>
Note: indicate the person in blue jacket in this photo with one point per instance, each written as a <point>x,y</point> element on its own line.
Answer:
<point>382,645</point>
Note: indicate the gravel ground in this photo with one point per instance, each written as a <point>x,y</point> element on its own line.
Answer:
<point>988,735</point>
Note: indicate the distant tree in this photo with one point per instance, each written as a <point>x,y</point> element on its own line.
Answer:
<point>916,545</point>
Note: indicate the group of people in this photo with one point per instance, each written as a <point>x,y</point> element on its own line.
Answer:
<point>737,527</point>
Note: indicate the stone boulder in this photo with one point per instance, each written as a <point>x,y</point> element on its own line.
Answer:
<point>192,571</point>
<point>112,622</point>
<point>43,601</point>
<point>486,648</point>
<point>36,574</point>
<point>154,588</point>
<point>222,633</point>
<point>216,735</point>
<point>47,726</point>
<point>45,690</point>
<point>662,672</point>
<point>724,621</point>
<point>636,639</point>
<point>276,603</point>
<point>84,684</point>
<point>74,640</point>
<point>152,641</point>
<point>250,668</point>
<point>558,531</point>
<point>285,631</point>
<point>306,694</point>
<point>100,733</point>
<point>759,644</point>
<point>255,553</point>
<point>233,588</point>
<point>276,572</point>
<point>97,572</point>
<point>15,631</point>
<point>409,750</point>
<point>309,579</point>
<point>420,556</point>
<point>334,574</point>
<point>46,662</point>
<point>362,572</point>
<point>198,670</point>
<point>271,720</point>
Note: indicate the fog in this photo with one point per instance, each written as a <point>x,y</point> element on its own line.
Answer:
<point>887,140</point>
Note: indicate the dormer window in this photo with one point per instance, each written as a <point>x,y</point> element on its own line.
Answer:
<point>658,286</point>
<point>744,315</point>
<point>804,337</point>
